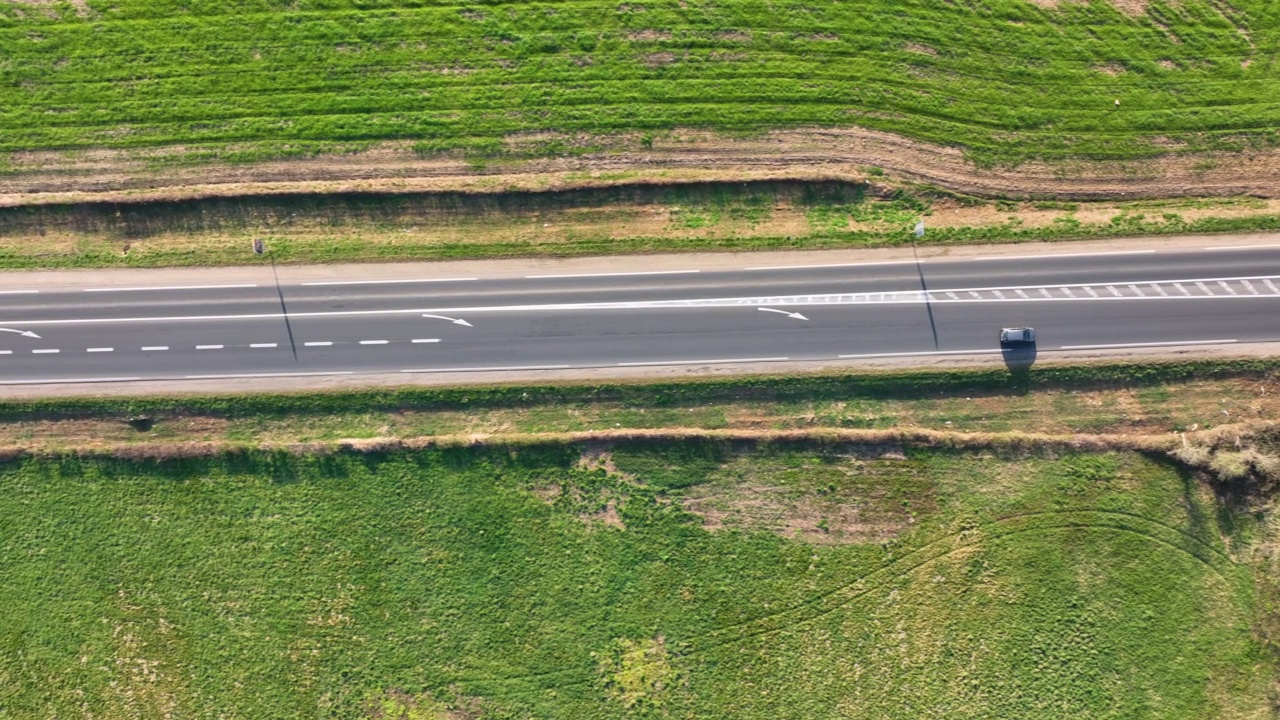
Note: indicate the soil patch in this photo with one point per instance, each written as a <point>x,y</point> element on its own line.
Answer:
<point>808,154</point>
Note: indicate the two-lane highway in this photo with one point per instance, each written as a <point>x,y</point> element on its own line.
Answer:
<point>380,322</point>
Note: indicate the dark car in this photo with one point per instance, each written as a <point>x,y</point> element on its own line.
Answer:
<point>1017,336</point>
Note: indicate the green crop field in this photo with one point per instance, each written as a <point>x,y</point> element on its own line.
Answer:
<point>1006,79</point>
<point>686,581</point>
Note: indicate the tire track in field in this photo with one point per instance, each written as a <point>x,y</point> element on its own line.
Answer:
<point>830,601</point>
<point>827,602</point>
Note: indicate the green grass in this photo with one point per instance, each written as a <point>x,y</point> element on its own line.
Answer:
<point>516,584</point>
<point>1005,79</point>
<point>899,385</point>
<point>102,246</point>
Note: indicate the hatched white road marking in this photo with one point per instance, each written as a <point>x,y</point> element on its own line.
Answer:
<point>1249,286</point>
<point>1227,287</point>
<point>1160,289</point>
<point>1113,290</point>
<point>990,294</point>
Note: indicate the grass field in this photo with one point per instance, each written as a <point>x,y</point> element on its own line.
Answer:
<point>684,581</point>
<point>1006,79</point>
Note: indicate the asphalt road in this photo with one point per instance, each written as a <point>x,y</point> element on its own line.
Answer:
<point>384,323</point>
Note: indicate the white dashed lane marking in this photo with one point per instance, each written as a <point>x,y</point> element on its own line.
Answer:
<point>324,343</point>
<point>46,351</point>
<point>99,350</point>
<point>154,348</point>
<point>262,345</point>
<point>209,347</point>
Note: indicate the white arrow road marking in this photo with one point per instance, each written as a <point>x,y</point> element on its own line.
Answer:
<point>23,333</point>
<point>455,321</point>
<point>795,315</point>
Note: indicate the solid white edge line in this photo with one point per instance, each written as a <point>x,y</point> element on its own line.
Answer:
<point>1172,343</point>
<point>611,274</point>
<point>209,347</point>
<point>984,351</point>
<point>154,348</point>
<point>99,349</point>
<point>1061,255</point>
<point>425,340</point>
<point>61,381</point>
<point>45,351</point>
<point>1241,247</point>
<point>317,344</point>
<point>267,375</point>
<point>19,292</point>
<point>718,361</point>
<point>375,342</point>
<point>169,287</point>
<point>489,369</point>
<point>833,265</point>
<point>385,282</point>
<point>263,345</point>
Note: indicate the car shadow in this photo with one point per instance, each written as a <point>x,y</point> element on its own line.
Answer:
<point>1020,358</point>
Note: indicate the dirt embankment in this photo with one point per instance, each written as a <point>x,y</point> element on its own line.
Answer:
<point>846,154</point>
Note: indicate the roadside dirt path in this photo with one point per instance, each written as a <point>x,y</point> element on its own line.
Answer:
<point>519,267</point>
<point>678,157</point>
